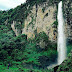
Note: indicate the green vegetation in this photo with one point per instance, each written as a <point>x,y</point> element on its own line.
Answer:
<point>20,69</point>
<point>69,47</point>
<point>66,66</point>
<point>18,14</point>
<point>20,52</point>
<point>25,55</point>
<point>43,9</point>
<point>55,23</point>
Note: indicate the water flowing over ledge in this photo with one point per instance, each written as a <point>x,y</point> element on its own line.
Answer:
<point>61,43</point>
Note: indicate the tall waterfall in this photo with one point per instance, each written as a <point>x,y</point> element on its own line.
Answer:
<point>61,43</point>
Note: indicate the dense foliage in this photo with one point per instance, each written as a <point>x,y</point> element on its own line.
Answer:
<point>18,51</point>
<point>21,53</point>
<point>19,13</point>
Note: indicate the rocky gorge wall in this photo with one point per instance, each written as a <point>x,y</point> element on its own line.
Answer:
<point>42,22</point>
<point>44,18</point>
<point>67,10</point>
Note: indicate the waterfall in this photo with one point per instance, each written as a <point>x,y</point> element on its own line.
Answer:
<point>61,43</point>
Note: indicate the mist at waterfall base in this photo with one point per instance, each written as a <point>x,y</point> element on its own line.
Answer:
<point>61,42</point>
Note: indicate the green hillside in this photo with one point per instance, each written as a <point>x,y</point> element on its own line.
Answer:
<point>25,54</point>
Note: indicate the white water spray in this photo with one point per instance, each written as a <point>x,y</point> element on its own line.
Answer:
<point>61,48</point>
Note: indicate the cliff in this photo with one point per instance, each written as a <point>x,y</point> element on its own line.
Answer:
<point>38,16</point>
<point>28,34</point>
<point>42,22</point>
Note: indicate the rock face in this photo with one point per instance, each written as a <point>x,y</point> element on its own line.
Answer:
<point>67,10</point>
<point>43,18</point>
<point>14,29</point>
<point>43,21</point>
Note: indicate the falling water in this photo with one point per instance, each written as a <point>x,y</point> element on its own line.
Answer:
<point>61,36</point>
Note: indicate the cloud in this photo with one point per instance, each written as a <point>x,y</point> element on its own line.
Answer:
<point>3,7</point>
<point>7,4</point>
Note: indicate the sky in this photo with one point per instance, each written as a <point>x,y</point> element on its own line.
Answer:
<point>8,4</point>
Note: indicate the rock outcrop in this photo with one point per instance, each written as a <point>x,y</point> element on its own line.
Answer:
<point>42,22</point>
